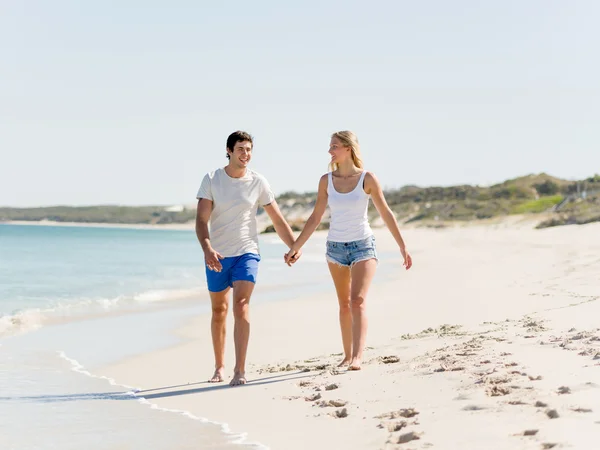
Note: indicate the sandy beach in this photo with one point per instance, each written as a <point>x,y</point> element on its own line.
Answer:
<point>491,341</point>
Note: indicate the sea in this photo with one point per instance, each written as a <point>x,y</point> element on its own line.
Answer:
<point>74,299</point>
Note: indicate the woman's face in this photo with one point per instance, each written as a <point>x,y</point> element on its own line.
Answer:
<point>338,151</point>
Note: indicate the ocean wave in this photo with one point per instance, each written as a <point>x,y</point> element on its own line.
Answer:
<point>21,322</point>
<point>31,319</point>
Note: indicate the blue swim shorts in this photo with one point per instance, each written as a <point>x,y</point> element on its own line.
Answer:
<point>349,253</point>
<point>235,268</point>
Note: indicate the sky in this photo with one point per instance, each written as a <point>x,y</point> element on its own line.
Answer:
<point>131,102</point>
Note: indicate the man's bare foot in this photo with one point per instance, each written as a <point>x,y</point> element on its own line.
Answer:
<point>218,376</point>
<point>345,362</point>
<point>238,379</point>
<point>354,364</point>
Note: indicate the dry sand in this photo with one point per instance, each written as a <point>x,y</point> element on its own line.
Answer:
<point>491,341</point>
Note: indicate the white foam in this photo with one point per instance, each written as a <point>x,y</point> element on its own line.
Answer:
<point>32,319</point>
<point>236,438</point>
<point>21,322</point>
<point>164,295</point>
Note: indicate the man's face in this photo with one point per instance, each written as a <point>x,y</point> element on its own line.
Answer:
<point>241,154</point>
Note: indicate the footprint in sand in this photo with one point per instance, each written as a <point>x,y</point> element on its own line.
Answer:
<point>313,397</point>
<point>407,437</point>
<point>530,432</point>
<point>407,413</point>
<point>448,368</point>
<point>501,379</point>
<point>389,359</point>
<point>552,413</point>
<point>334,403</point>
<point>517,402</point>
<point>498,391</point>
<point>340,413</point>
<point>564,390</point>
<point>395,426</point>
<point>328,387</point>
<point>539,404</point>
<point>474,408</point>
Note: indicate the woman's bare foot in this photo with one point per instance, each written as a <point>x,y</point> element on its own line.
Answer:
<point>354,364</point>
<point>218,376</point>
<point>238,379</point>
<point>345,362</point>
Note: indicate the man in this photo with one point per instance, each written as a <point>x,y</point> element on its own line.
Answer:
<point>229,197</point>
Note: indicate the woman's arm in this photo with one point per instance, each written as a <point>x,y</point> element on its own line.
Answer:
<point>373,188</point>
<point>314,220</point>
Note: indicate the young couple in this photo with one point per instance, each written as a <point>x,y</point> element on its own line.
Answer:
<point>228,199</point>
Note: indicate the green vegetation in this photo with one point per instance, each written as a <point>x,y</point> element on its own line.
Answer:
<point>576,211</point>
<point>540,205</point>
<point>528,194</point>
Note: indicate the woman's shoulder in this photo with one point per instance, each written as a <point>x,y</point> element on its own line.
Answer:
<point>370,182</point>
<point>324,182</point>
<point>370,176</point>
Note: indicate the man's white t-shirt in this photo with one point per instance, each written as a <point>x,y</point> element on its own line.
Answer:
<point>232,224</point>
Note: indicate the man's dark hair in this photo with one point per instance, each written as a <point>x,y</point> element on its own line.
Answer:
<point>235,137</point>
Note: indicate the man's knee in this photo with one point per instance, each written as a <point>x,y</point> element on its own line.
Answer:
<point>240,307</point>
<point>219,311</point>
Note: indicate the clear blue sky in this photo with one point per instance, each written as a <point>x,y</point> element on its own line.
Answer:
<point>131,102</point>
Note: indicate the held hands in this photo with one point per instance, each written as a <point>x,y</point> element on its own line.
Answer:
<point>212,259</point>
<point>292,256</point>
<point>407,258</point>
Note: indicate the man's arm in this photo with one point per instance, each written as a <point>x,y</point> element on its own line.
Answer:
<point>282,228</point>
<point>203,212</point>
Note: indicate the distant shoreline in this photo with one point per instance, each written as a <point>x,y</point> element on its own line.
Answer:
<point>517,220</point>
<point>136,226</point>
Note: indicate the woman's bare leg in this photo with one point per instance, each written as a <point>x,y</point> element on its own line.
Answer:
<point>341,280</point>
<point>362,274</point>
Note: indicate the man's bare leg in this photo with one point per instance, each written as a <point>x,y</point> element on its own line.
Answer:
<point>362,275</point>
<point>242,290</point>
<point>341,280</point>
<point>220,305</point>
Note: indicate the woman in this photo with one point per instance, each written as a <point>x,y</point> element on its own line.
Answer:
<point>351,254</point>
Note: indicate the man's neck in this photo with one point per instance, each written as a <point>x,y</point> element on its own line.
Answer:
<point>235,172</point>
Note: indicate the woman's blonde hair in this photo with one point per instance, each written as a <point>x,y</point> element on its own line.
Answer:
<point>349,139</point>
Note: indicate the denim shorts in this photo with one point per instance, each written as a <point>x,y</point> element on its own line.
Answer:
<point>235,268</point>
<point>349,253</point>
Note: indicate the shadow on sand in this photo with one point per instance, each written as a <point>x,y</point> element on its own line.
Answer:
<point>159,392</point>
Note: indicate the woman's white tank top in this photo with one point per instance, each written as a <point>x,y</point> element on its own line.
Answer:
<point>349,221</point>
